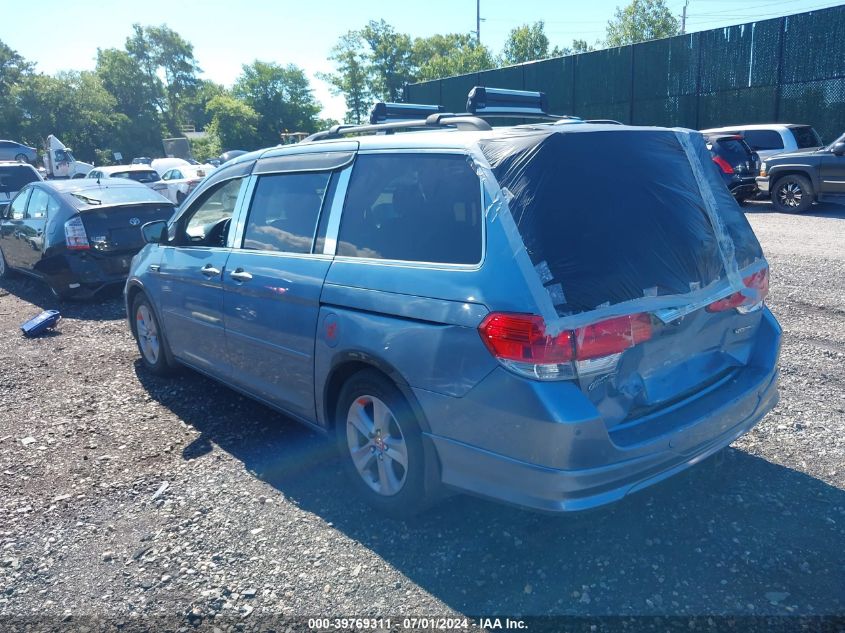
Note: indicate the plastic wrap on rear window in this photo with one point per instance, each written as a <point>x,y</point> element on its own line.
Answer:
<point>608,217</point>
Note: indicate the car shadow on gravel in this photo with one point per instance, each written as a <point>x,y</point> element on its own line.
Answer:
<point>741,536</point>
<point>105,306</point>
<point>818,210</point>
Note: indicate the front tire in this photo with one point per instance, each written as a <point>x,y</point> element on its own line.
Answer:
<point>21,158</point>
<point>380,444</point>
<point>152,344</point>
<point>792,194</point>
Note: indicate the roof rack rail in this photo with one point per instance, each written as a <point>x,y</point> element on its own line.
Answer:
<point>436,120</point>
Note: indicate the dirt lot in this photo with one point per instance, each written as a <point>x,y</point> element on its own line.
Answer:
<point>124,495</point>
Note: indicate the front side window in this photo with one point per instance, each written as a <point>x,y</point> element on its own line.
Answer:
<point>207,223</point>
<point>284,211</point>
<point>412,207</point>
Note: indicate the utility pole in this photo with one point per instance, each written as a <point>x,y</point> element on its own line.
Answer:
<point>684,18</point>
<point>478,21</point>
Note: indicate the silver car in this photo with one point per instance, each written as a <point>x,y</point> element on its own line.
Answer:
<point>11,150</point>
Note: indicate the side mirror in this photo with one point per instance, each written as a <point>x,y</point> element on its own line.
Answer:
<point>838,148</point>
<point>154,232</point>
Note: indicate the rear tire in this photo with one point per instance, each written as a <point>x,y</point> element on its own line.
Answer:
<point>792,194</point>
<point>376,432</point>
<point>5,271</point>
<point>152,344</point>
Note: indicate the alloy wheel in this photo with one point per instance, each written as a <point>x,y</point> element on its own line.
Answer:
<point>790,195</point>
<point>376,445</point>
<point>147,334</point>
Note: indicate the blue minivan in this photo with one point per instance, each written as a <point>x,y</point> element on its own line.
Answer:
<point>474,307</point>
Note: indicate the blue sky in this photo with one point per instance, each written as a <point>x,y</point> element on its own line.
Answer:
<point>65,35</point>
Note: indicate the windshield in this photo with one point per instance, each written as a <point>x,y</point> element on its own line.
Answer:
<point>116,195</point>
<point>16,178</point>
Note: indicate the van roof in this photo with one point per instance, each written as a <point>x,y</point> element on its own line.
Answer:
<point>439,138</point>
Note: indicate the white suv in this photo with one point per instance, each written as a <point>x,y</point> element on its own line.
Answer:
<point>769,139</point>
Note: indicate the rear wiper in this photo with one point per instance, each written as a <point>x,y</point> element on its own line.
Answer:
<point>85,198</point>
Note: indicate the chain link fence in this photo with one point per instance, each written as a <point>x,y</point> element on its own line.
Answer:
<point>788,69</point>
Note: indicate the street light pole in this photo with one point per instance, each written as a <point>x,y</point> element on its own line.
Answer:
<point>478,21</point>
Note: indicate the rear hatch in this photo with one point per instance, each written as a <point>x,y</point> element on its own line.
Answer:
<point>618,217</point>
<point>117,229</point>
<point>737,155</point>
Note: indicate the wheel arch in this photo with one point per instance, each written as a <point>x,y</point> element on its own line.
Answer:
<point>347,364</point>
<point>776,174</point>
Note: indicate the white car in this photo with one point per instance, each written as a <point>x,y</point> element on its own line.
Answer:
<point>178,182</point>
<point>139,173</point>
<point>768,139</point>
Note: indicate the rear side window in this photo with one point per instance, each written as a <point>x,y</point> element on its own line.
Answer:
<point>41,204</point>
<point>412,207</point>
<point>16,178</point>
<point>806,136</point>
<point>284,211</point>
<point>763,139</point>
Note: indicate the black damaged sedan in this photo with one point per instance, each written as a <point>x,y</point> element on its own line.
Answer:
<point>78,236</point>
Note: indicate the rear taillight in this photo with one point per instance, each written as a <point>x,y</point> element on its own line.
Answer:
<point>75,236</point>
<point>724,165</point>
<point>520,342</point>
<point>746,300</point>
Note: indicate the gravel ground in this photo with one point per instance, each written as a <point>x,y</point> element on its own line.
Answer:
<point>123,495</point>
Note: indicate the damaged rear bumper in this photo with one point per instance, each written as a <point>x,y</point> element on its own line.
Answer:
<point>564,464</point>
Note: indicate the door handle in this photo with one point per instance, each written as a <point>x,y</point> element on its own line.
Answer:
<point>210,271</point>
<point>239,274</point>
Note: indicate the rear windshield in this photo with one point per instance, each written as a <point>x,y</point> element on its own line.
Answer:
<point>104,195</point>
<point>138,176</point>
<point>608,217</point>
<point>16,178</point>
<point>806,136</point>
<point>732,150</point>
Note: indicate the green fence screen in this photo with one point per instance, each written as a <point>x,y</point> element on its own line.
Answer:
<point>789,69</point>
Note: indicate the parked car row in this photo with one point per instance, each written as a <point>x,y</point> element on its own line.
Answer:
<point>794,168</point>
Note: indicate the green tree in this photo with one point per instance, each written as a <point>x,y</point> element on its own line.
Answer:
<point>76,107</point>
<point>452,54</point>
<point>159,48</point>
<point>206,147</point>
<point>526,43</point>
<point>580,46</point>
<point>640,21</point>
<point>195,106</point>
<point>13,68</point>
<point>391,58</point>
<point>135,94</point>
<point>351,78</point>
<point>280,95</point>
<point>234,124</point>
